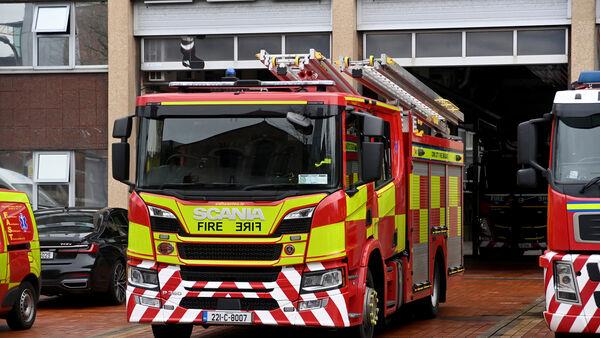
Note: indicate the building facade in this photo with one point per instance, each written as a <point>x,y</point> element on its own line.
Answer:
<point>54,101</point>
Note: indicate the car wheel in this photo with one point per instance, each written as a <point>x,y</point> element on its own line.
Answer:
<point>118,284</point>
<point>172,330</point>
<point>22,315</point>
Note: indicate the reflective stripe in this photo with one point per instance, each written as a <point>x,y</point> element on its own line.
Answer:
<point>582,206</point>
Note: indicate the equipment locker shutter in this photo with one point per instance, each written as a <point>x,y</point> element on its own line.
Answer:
<point>454,217</point>
<point>232,17</point>
<point>419,217</point>
<point>441,14</point>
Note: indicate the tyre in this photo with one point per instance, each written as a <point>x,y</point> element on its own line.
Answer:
<point>22,315</point>
<point>430,305</point>
<point>172,330</point>
<point>118,284</point>
<point>370,311</point>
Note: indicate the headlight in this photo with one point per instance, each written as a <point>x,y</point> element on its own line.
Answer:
<point>143,278</point>
<point>565,283</point>
<point>302,213</point>
<point>158,212</point>
<point>322,280</point>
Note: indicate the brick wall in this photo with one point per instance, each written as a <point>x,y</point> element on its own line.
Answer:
<point>53,111</point>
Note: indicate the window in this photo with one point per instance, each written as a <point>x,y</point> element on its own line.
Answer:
<point>56,179</point>
<point>250,45</point>
<point>91,33</point>
<point>15,35</point>
<point>52,19</point>
<point>489,43</point>
<point>352,147</point>
<point>394,45</point>
<point>163,53</point>
<point>214,48</point>
<point>162,50</point>
<point>302,43</point>
<point>53,51</point>
<point>540,42</point>
<point>386,164</point>
<point>48,35</point>
<point>439,44</point>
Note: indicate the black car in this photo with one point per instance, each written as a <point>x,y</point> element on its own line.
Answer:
<point>83,251</point>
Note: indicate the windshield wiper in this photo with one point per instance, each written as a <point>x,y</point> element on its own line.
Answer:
<point>267,186</point>
<point>589,184</point>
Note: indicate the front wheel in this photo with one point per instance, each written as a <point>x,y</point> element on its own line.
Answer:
<point>370,311</point>
<point>172,330</point>
<point>22,315</point>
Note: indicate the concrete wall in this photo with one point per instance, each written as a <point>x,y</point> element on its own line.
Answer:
<point>583,55</point>
<point>122,82</point>
<point>53,111</point>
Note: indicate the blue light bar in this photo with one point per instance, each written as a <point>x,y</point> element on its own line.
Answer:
<point>589,77</point>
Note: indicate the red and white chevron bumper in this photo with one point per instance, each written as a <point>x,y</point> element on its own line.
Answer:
<point>271,303</point>
<point>583,317</point>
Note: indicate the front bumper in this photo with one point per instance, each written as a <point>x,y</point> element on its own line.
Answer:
<point>583,317</point>
<point>271,303</point>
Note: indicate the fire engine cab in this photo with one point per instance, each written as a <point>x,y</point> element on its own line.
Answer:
<point>571,263</point>
<point>292,202</point>
<point>20,264</point>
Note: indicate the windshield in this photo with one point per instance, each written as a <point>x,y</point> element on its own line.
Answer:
<point>576,149</point>
<point>238,153</point>
<point>67,224</point>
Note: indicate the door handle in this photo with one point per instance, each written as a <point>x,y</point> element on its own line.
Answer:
<point>369,217</point>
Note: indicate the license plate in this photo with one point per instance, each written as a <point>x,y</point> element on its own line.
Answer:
<point>227,317</point>
<point>47,255</point>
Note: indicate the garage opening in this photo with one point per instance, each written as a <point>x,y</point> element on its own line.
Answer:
<point>499,218</point>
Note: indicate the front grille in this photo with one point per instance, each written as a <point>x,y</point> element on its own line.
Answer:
<point>230,252</point>
<point>293,226</point>
<point>245,304</point>
<point>226,274</point>
<point>589,227</point>
<point>161,224</point>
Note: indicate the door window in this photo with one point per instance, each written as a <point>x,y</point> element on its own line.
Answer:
<point>386,163</point>
<point>352,147</point>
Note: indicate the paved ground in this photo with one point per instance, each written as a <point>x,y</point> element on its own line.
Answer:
<point>492,298</point>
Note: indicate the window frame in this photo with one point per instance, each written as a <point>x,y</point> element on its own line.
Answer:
<point>37,182</point>
<point>70,33</point>
<point>236,62</point>
<point>464,60</point>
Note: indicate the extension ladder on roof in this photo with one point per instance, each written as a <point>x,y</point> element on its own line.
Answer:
<point>382,76</point>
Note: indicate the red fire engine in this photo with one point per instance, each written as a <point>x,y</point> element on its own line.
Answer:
<point>571,263</point>
<point>292,202</point>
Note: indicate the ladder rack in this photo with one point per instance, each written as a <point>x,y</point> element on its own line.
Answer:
<point>304,67</point>
<point>388,79</point>
<point>383,76</point>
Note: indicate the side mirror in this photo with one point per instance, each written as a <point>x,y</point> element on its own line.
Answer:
<point>372,125</point>
<point>122,127</point>
<point>527,178</point>
<point>371,158</point>
<point>527,143</point>
<point>120,161</point>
